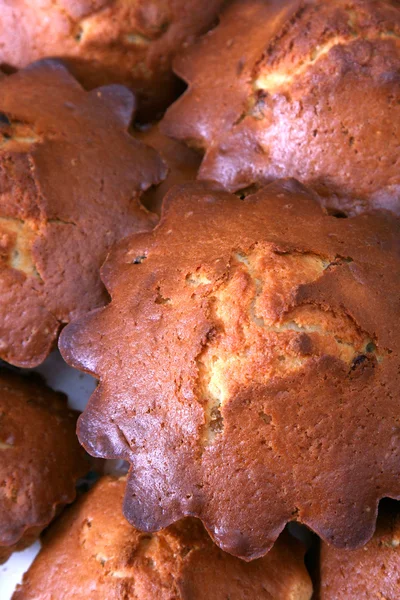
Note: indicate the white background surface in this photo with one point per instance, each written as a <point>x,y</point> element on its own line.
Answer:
<point>78,387</point>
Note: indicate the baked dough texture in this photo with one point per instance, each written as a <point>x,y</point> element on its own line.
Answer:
<point>249,367</point>
<point>40,459</point>
<point>92,552</point>
<point>108,41</point>
<point>183,164</point>
<point>369,572</point>
<point>70,183</point>
<point>304,89</point>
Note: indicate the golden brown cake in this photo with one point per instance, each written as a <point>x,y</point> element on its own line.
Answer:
<point>369,573</point>
<point>40,459</point>
<point>182,162</point>
<point>284,88</point>
<point>107,41</point>
<point>92,552</point>
<point>70,184</point>
<point>249,367</point>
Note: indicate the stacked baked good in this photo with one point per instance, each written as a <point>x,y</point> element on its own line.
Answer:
<point>107,41</point>
<point>303,89</point>
<point>41,459</point>
<point>246,339</point>
<point>369,572</point>
<point>93,552</point>
<point>257,344</point>
<point>71,178</point>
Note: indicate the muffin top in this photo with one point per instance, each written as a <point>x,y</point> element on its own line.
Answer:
<point>70,182</point>
<point>298,89</point>
<point>108,41</point>
<point>249,366</point>
<point>369,572</point>
<point>41,458</point>
<point>92,552</point>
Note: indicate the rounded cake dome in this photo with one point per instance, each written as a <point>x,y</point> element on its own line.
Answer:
<point>299,89</point>
<point>248,366</point>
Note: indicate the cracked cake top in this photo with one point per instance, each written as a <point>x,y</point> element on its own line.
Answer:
<point>369,572</point>
<point>107,41</point>
<point>249,366</point>
<point>304,89</point>
<point>40,459</point>
<point>70,183</point>
<point>92,552</point>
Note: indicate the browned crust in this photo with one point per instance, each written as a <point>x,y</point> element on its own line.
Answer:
<point>92,552</point>
<point>298,89</point>
<point>182,162</point>
<point>309,376</point>
<point>70,183</point>
<point>41,459</point>
<point>369,572</point>
<point>108,41</point>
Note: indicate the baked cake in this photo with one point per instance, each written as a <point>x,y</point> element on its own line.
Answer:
<point>298,89</point>
<point>107,41</point>
<point>70,183</point>
<point>369,572</point>
<point>41,459</point>
<point>92,552</point>
<point>249,367</point>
